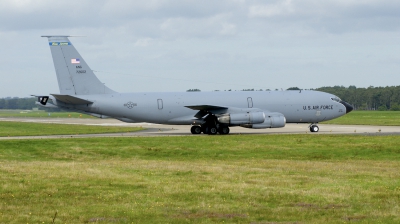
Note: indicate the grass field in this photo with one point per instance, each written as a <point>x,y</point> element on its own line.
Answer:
<point>386,118</point>
<point>202,179</point>
<point>41,113</point>
<point>32,129</point>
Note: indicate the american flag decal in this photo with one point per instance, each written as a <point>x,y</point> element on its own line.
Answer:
<point>75,61</point>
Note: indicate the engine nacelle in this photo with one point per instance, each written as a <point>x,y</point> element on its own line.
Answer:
<point>242,118</point>
<point>272,120</point>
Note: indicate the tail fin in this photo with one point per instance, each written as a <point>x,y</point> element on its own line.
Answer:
<point>73,74</point>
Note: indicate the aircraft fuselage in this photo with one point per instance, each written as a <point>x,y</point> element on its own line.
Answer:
<point>170,107</point>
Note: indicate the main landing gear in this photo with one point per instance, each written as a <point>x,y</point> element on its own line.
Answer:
<point>195,130</point>
<point>210,130</point>
<point>210,127</point>
<point>314,128</point>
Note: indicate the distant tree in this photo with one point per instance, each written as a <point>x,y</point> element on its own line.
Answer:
<point>2,104</point>
<point>18,103</point>
<point>12,104</point>
<point>382,108</point>
<point>26,103</point>
<point>247,89</point>
<point>193,90</point>
<point>395,107</point>
<point>294,88</point>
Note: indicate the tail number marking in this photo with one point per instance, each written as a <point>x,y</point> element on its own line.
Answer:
<point>80,71</point>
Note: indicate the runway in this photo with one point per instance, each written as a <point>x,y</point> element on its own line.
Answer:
<point>182,130</point>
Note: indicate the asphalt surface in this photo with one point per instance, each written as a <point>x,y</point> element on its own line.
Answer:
<point>176,130</point>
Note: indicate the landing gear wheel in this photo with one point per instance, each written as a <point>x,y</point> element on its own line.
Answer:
<point>195,130</point>
<point>314,128</point>
<point>212,130</point>
<point>224,130</point>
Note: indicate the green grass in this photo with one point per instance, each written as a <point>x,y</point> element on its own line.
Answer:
<point>380,118</point>
<point>202,179</point>
<point>10,129</point>
<point>41,113</point>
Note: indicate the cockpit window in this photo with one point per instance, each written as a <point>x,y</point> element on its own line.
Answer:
<point>337,99</point>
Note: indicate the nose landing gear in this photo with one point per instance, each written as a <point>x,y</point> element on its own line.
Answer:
<point>314,128</point>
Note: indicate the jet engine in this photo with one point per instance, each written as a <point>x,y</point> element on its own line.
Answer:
<point>242,118</point>
<point>272,120</point>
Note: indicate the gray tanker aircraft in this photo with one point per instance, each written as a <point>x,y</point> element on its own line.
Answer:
<point>207,112</point>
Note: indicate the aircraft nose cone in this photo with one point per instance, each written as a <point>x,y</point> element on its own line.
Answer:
<point>349,108</point>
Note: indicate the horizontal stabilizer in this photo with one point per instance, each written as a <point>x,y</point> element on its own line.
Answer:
<point>71,99</point>
<point>42,99</point>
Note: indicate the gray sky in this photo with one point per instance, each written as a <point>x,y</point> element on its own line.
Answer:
<point>161,45</point>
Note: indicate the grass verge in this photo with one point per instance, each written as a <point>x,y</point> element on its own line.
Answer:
<point>8,128</point>
<point>41,113</point>
<point>202,179</point>
<point>379,118</point>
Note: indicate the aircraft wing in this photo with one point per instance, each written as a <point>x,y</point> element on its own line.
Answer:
<point>223,109</point>
<point>206,107</point>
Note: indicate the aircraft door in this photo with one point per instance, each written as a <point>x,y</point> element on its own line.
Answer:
<point>160,104</point>
<point>249,102</point>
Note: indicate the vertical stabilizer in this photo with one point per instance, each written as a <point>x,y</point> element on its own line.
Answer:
<point>73,74</point>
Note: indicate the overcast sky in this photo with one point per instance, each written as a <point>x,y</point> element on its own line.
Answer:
<point>161,45</point>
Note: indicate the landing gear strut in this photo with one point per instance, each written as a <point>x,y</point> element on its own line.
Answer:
<point>314,128</point>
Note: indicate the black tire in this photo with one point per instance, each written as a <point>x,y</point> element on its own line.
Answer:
<point>195,130</point>
<point>224,130</point>
<point>212,130</point>
<point>314,128</point>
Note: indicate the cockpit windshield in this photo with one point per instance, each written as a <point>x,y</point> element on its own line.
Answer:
<point>337,99</point>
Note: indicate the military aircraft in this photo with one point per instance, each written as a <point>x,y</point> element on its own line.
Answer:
<point>207,112</point>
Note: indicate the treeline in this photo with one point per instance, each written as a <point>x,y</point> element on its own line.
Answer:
<point>22,104</point>
<point>18,103</point>
<point>371,98</point>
